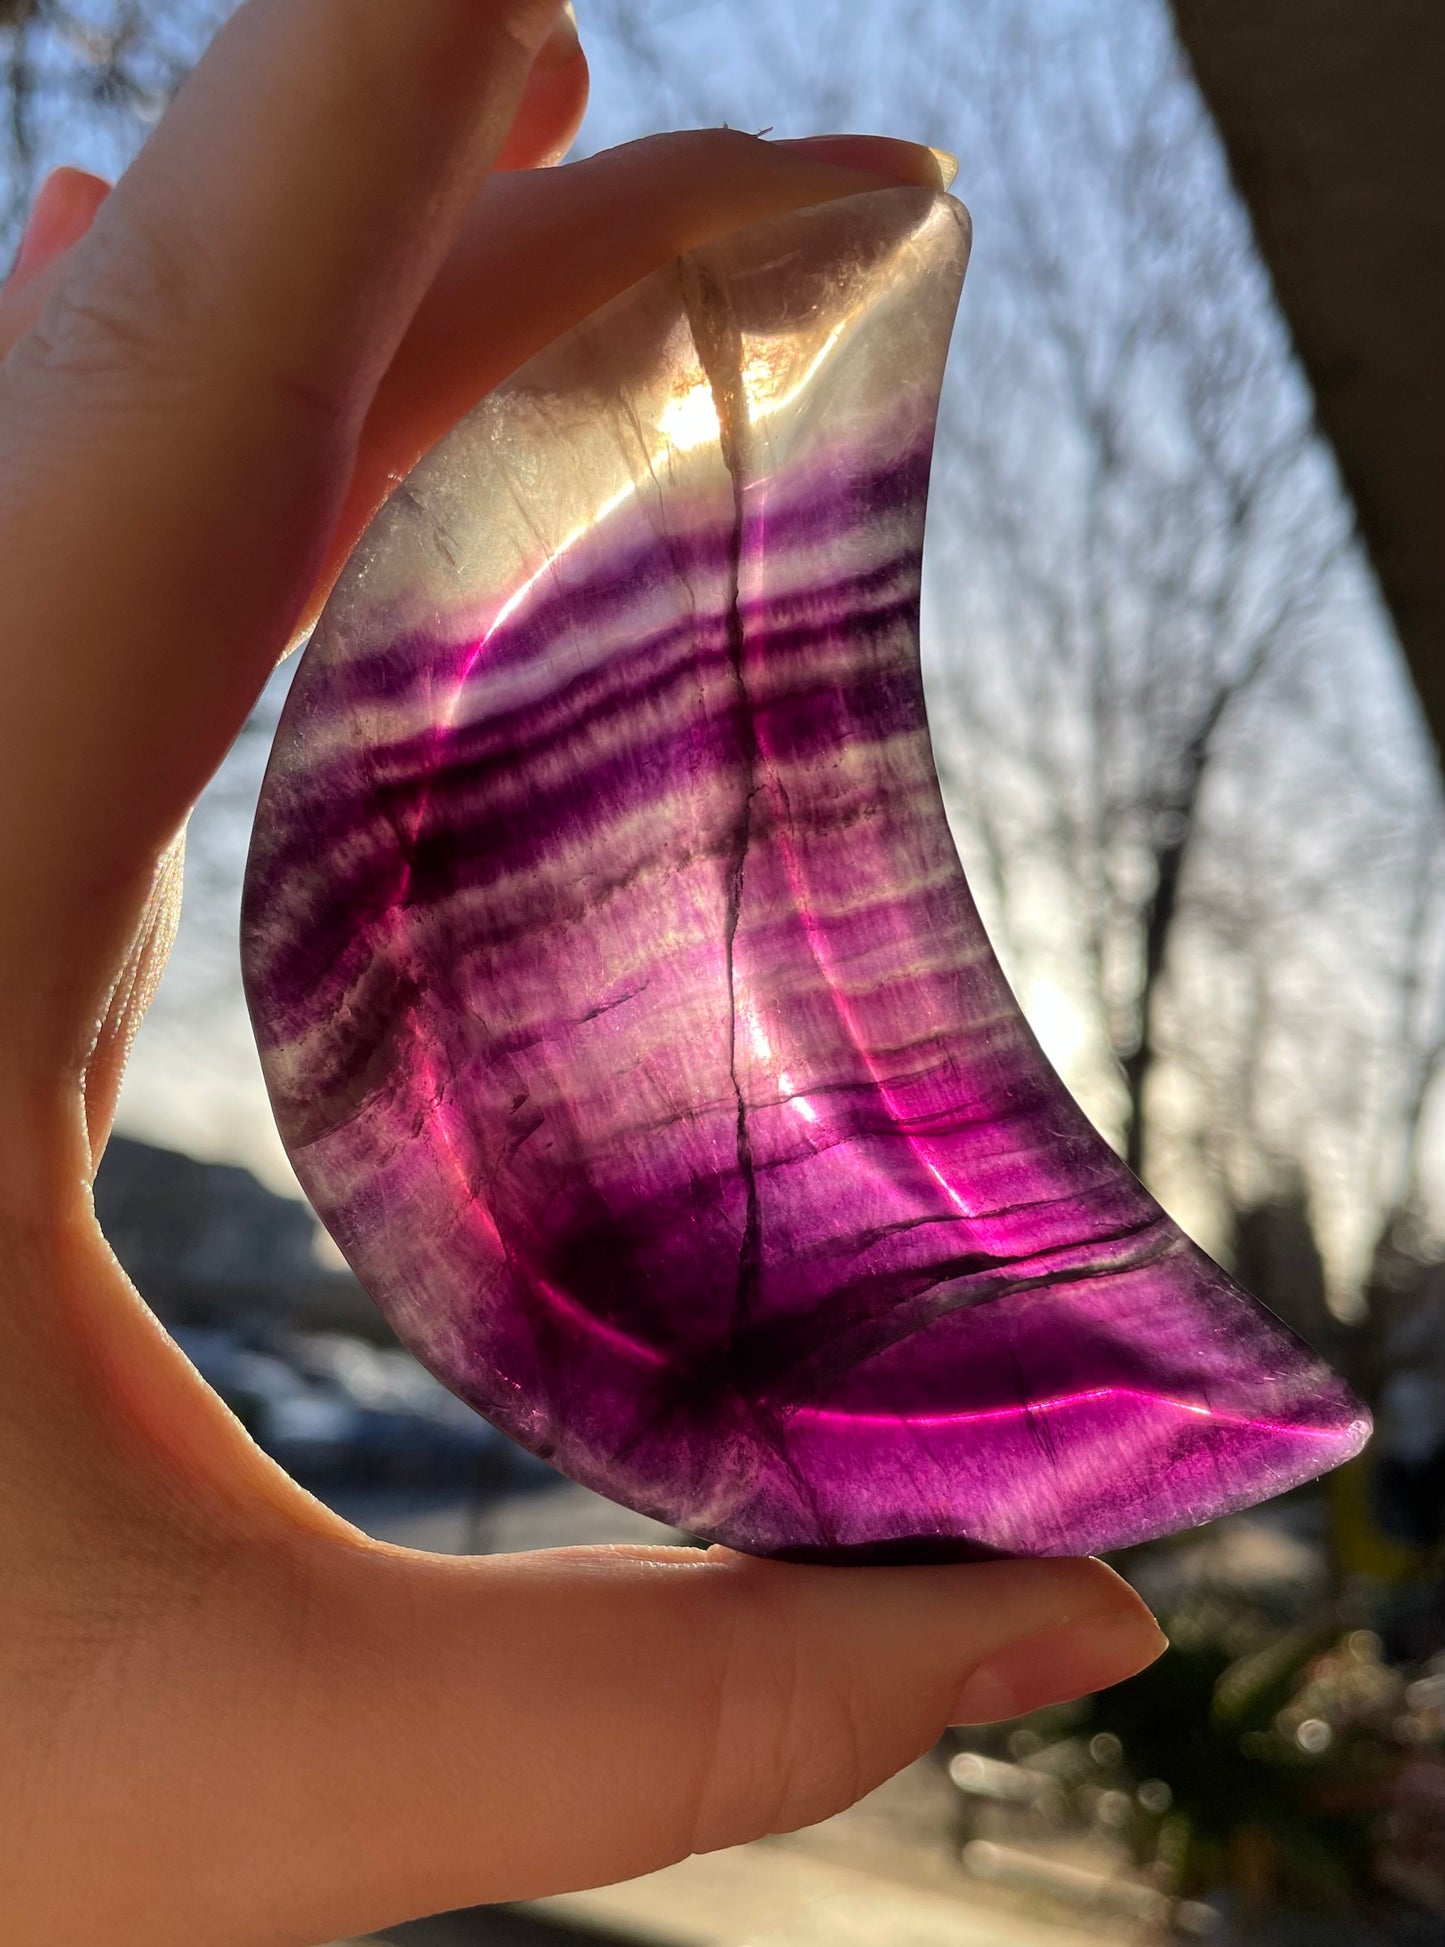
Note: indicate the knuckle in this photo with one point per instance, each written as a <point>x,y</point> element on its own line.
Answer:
<point>144,321</point>
<point>128,311</point>
<point>785,1742</point>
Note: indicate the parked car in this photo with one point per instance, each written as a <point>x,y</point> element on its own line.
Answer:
<point>309,1428</point>
<point>331,1408</point>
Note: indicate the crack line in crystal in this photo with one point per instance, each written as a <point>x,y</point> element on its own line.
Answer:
<point>719,348</point>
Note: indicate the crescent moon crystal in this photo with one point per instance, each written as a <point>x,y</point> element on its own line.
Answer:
<point>623,1006</point>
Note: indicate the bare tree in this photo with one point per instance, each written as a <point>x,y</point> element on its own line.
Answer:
<point>1163,568</point>
<point>96,72</point>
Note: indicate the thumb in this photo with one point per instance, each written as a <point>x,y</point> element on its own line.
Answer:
<point>496,1730</point>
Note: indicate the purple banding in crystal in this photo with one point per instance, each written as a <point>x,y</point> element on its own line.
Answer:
<point>631,1026</point>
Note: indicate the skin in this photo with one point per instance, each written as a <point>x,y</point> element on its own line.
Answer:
<point>228,1716</point>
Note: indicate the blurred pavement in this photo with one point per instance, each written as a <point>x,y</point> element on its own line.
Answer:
<point>775,1895</point>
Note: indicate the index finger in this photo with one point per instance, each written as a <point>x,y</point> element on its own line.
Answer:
<point>179,427</point>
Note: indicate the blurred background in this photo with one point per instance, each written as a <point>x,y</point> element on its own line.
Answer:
<point>1182,645</point>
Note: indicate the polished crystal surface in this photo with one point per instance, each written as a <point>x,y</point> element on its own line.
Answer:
<point>622,1003</point>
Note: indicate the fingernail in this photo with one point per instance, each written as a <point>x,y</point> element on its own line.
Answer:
<point>563,44</point>
<point>878,155</point>
<point>40,225</point>
<point>1058,1664</point>
<point>64,207</point>
<point>947,167</point>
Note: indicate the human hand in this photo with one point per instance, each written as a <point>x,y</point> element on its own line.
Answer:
<point>228,1717</point>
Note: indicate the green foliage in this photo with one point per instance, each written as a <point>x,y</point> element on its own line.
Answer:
<point>1281,1757</point>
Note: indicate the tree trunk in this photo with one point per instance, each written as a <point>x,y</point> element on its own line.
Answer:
<point>1159,917</point>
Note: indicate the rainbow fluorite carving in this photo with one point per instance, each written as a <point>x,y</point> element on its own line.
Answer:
<point>622,1003</point>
